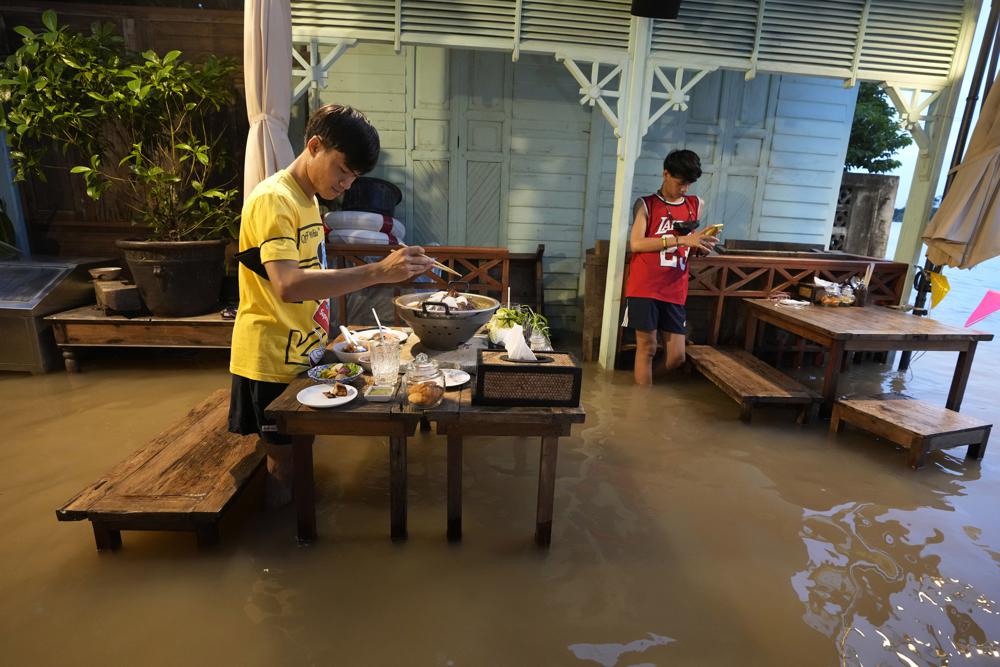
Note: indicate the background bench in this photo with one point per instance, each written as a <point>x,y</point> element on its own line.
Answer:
<point>183,479</point>
<point>749,381</point>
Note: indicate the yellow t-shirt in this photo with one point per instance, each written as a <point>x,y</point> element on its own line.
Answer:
<point>272,338</point>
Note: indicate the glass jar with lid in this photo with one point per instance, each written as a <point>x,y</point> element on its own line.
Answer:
<point>424,383</point>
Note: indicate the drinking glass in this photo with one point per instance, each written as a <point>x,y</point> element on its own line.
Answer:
<point>385,360</point>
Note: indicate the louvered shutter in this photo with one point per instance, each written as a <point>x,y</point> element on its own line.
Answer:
<point>463,19</point>
<point>915,37</point>
<point>370,19</point>
<point>703,27</point>
<point>591,23</point>
<point>821,35</point>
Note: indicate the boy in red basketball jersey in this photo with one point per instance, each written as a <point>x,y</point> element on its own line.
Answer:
<point>658,272</point>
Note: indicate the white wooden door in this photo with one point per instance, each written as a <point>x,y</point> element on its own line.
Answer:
<point>461,147</point>
<point>480,147</point>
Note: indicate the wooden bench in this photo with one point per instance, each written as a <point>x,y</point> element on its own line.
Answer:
<point>920,427</point>
<point>183,479</point>
<point>749,381</point>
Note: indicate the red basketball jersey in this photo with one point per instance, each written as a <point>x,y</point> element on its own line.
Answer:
<point>663,275</point>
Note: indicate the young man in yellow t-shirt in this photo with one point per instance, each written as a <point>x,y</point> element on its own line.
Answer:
<point>285,315</point>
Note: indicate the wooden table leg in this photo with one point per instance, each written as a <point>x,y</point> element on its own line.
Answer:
<point>963,367</point>
<point>978,449</point>
<point>69,360</point>
<point>454,487</point>
<point>751,335</point>
<point>834,359</point>
<point>304,488</point>
<point>106,539</point>
<point>546,490</point>
<point>397,488</point>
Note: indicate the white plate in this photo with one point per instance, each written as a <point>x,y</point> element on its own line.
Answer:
<point>314,398</point>
<point>369,334</point>
<point>454,377</point>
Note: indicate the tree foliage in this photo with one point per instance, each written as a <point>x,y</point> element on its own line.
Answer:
<point>875,134</point>
<point>140,121</point>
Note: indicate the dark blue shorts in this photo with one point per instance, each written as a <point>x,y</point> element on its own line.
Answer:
<point>644,314</point>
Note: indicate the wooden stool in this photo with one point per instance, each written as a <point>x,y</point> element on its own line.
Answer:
<point>919,426</point>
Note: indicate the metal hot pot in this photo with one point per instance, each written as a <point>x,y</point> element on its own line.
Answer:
<point>441,327</point>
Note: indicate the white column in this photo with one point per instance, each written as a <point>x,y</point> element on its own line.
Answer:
<point>927,172</point>
<point>631,123</point>
<point>926,175</point>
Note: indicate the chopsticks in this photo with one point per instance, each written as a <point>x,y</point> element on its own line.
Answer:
<point>436,263</point>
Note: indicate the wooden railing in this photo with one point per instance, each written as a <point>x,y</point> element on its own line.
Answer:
<point>719,282</point>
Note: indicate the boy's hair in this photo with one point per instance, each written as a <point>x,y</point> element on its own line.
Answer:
<point>683,164</point>
<point>349,131</point>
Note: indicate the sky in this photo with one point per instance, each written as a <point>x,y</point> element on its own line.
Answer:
<point>908,156</point>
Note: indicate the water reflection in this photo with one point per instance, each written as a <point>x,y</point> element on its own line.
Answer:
<point>608,655</point>
<point>873,583</point>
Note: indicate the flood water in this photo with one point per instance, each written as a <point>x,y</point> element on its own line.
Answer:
<point>682,536</point>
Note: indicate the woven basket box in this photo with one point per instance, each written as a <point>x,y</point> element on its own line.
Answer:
<point>552,383</point>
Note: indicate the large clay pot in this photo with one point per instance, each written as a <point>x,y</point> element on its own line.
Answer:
<point>177,278</point>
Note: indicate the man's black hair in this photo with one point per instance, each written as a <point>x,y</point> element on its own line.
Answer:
<point>349,131</point>
<point>683,164</point>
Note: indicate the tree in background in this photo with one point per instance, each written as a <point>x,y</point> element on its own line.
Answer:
<point>875,134</point>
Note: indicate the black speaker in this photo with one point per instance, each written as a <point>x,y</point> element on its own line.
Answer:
<point>656,9</point>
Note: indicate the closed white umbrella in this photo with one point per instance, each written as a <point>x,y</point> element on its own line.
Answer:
<point>966,228</point>
<point>267,70</point>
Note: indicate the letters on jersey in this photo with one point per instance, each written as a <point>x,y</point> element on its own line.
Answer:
<point>663,275</point>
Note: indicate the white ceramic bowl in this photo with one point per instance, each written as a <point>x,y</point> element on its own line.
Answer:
<point>348,357</point>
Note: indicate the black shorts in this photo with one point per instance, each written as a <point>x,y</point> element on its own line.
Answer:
<point>644,314</point>
<point>247,402</point>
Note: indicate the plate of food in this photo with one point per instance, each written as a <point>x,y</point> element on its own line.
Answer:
<point>334,372</point>
<point>327,396</point>
<point>372,334</point>
<point>454,377</point>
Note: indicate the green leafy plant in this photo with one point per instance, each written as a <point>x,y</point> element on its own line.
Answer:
<point>141,122</point>
<point>505,318</point>
<point>875,134</point>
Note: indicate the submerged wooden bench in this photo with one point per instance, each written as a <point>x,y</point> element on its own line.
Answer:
<point>920,427</point>
<point>183,479</point>
<point>749,381</point>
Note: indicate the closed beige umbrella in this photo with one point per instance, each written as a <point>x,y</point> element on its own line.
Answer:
<point>267,70</point>
<point>966,228</point>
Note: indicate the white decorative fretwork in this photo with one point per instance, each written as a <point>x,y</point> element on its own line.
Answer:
<point>675,94</point>
<point>314,70</point>
<point>598,86</point>
<point>912,104</point>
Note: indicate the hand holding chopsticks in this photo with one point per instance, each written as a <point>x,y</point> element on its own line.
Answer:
<point>436,263</point>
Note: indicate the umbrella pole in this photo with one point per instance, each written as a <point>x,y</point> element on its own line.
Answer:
<point>987,53</point>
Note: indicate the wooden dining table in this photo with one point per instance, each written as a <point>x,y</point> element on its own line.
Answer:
<point>396,420</point>
<point>869,328</point>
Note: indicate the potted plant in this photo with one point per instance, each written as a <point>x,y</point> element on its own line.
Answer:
<point>142,126</point>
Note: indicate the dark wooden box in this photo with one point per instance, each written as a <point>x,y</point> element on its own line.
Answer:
<point>808,291</point>
<point>554,383</point>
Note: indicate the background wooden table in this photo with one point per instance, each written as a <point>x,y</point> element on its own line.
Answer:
<point>872,328</point>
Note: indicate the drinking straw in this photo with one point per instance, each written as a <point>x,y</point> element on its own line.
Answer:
<point>508,297</point>
<point>381,330</point>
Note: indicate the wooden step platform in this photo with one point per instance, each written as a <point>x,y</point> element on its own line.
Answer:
<point>921,427</point>
<point>749,381</point>
<point>183,479</point>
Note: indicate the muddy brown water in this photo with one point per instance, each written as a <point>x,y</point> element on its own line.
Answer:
<point>682,536</point>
